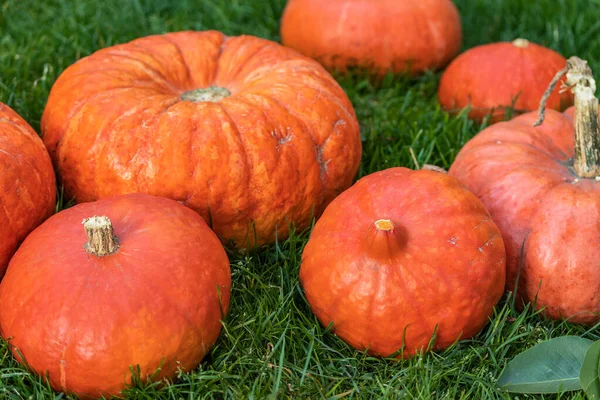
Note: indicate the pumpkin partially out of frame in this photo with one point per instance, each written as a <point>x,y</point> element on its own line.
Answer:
<point>383,36</point>
<point>27,182</point>
<point>497,79</point>
<point>250,134</point>
<point>541,186</point>
<point>403,256</point>
<point>142,282</point>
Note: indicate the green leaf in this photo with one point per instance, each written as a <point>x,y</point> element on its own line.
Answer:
<point>589,376</point>
<point>552,366</point>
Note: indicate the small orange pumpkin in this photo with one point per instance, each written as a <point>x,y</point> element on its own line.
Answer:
<point>143,282</point>
<point>250,134</point>
<point>27,182</point>
<point>382,35</point>
<point>494,77</point>
<point>541,185</point>
<point>400,255</point>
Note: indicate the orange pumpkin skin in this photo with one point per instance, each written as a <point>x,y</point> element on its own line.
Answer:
<point>281,146</point>
<point>443,263</point>
<point>85,319</point>
<point>27,182</point>
<point>523,176</point>
<point>489,78</point>
<point>382,35</point>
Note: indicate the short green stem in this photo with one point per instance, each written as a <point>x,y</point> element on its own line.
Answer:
<point>212,94</point>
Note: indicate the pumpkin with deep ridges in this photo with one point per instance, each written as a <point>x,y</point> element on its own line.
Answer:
<point>250,134</point>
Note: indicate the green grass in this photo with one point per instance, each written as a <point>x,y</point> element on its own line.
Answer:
<point>271,345</point>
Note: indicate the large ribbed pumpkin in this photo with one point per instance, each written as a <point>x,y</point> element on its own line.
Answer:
<point>402,255</point>
<point>381,35</point>
<point>541,186</point>
<point>27,182</point>
<point>250,134</point>
<point>143,281</point>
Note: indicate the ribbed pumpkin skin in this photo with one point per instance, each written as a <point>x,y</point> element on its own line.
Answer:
<point>443,264</point>
<point>382,35</point>
<point>523,176</point>
<point>490,77</point>
<point>85,319</point>
<point>27,182</point>
<point>281,147</point>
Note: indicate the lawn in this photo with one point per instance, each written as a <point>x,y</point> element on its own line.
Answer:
<point>271,345</point>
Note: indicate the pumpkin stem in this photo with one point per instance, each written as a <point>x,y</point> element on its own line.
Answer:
<point>101,238</point>
<point>385,239</point>
<point>384,225</point>
<point>431,167</point>
<point>212,94</point>
<point>521,43</point>
<point>587,133</point>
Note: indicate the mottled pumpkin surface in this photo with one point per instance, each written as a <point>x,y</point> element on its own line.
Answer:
<point>27,183</point>
<point>524,177</point>
<point>494,77</point>
<point>382,35</point>
<point>83,319</point>
<point>401,253</point>
<point>281,144</point>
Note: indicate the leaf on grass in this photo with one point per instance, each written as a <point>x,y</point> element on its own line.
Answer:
<point>552,366</point>
<point>589,376</point>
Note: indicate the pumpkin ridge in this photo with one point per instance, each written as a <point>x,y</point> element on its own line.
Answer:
<point>249,163</point>
<point>312,80</point>
<point>102,139</point>
<point>140,46</point>
<point>19,127</point>
<point>73,115</point>
<point>222,48</point>
<point>299,118</point>
<point>318,149</point>
<point>235,76</point>
<point>105,135</point>
<point>10,219</point>
<point>243,98</point>
<point>153,75</point>
<point>183,62</point>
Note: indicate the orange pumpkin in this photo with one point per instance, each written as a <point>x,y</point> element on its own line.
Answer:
<point>27,182</point>
<point>251,135</point>
<point>541,186</point>
<point>143,281</point>
<point>492,78</point>
<point>382,35</point>
<point>400,255</point>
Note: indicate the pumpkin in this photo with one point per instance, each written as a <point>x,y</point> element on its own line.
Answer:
<point>27,182</point>
<point>382,36</point>
<point>541,186</point>
<point>143,282</point>
<point>402,255</point>
<point>494,78</point>
<point>253,136</point>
